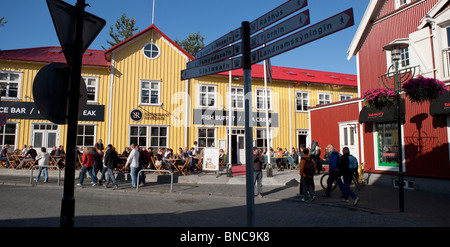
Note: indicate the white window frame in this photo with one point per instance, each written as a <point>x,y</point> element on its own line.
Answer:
<point>235,96</point>
<point>263,138</point>
<point>12,146</point>
<point>149,135</point>
<point>297,92</point>
<point>141,89</point>
<point>8,81</point>
<point>399,3</point>
<point>345,96</point>
<point>84,134</point>
<point>325,95</point>
<point>95,78</point>
<point>206,137</point>
<point>57,131</point>
<point>149,57</point>
<point>209,95</point>
<point>269,90</point>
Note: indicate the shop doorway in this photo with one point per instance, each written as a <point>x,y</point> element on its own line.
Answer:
<point>237,146</point>
<point>348,135</point>
<point>302,138</point>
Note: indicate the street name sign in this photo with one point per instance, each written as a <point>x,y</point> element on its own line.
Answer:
<point>284,28</point>
<point>273,16</point>
<point>281,29</point>
<point>331,25</point>
<point>229,64</point>
<point>277,14</point>
<point>219,43</point>
<point>217,56</point>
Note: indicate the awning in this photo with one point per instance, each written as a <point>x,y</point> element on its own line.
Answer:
<point>372,114</point>
<point>441,105</point>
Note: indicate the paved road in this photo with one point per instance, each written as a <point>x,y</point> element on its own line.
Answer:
<point>208,204</point>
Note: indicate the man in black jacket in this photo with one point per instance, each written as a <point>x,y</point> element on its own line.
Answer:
<point>110,160</point>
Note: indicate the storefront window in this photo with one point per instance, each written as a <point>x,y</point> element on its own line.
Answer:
<point>387,144</point>
<point>206,137</point>
<point>86,135</point>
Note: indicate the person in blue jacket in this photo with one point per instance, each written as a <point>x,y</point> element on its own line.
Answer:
<point>333,171</point>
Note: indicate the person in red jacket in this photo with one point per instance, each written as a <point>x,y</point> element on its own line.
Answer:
<point>87,162</point>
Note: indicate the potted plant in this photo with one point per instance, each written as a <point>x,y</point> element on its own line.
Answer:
<point>379,98</point>
<point>423,89</point>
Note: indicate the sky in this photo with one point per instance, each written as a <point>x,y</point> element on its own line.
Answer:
<point>29,25</point>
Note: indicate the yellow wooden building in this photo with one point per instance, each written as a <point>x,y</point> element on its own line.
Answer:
<point>136,95</point>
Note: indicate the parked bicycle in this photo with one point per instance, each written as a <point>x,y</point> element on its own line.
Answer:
<point>359,179</point>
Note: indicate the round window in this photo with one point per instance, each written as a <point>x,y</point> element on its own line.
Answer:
<point>151,51</point>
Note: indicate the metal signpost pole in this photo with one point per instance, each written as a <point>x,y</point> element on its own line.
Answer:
<point>398,88</point>
<point>68,200</point>
<point>247,66</point>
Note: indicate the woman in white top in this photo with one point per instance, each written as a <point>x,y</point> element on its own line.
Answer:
<point>44,160</point>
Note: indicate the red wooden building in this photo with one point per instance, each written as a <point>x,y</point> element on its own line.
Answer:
<point>372,136</point>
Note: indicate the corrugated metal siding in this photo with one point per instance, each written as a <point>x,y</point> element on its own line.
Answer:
<point>427,155</point>
<point>400,25</point>
<point>425,141</point>
<point>324,123</point>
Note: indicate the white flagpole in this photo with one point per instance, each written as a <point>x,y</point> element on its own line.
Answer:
<point>153,12</point>
<point>267,114</point>
<point>229,121</point>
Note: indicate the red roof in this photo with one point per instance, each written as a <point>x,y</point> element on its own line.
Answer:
<point>53,54</point>
<point>299,75</point>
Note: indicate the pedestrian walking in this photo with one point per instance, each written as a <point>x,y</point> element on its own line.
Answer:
<point>307,169</point>
<point>87,162</point>
<point>258,161</point>
<point>334,174</point>
<point>98,160</point>
<point>347,170</point>
<point>110,161</point>
<point>43,160</point>
<point>133,161</point>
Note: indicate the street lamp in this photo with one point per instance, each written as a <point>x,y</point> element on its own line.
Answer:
<point>397,78</point>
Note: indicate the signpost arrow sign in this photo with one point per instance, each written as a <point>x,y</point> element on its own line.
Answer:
<point>281,29</point>
<point>277,14</point>
<point>314,32</point>
<point>229,64</point>
<point>273,16</point>
<point>216,56</point>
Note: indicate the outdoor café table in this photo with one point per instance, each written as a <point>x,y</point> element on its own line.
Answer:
<point>175,162</point>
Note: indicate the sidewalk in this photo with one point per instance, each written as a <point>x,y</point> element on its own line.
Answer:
<point>379,197</point>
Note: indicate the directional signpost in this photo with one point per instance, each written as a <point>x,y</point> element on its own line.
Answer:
<point>76,29</point>
<point>214,58</point>
<point>307,35</point>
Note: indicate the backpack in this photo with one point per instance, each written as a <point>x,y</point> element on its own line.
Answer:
<point>309,168</point>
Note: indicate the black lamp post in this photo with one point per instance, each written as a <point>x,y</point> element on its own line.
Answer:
<point>397,77</point>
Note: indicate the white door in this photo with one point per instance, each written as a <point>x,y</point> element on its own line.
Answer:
<point>348,135</point>
<point>241,149</point>
<point>44,135</point>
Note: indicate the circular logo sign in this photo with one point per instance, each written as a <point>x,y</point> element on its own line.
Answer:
<point>136,115</point>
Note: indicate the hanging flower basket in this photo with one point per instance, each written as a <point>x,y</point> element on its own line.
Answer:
<point>379,98</point>
<point>423,89</point>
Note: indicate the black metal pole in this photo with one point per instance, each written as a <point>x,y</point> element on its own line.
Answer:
<point>68,200</point>
<point>401,189</point>
<point>247,66</point>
